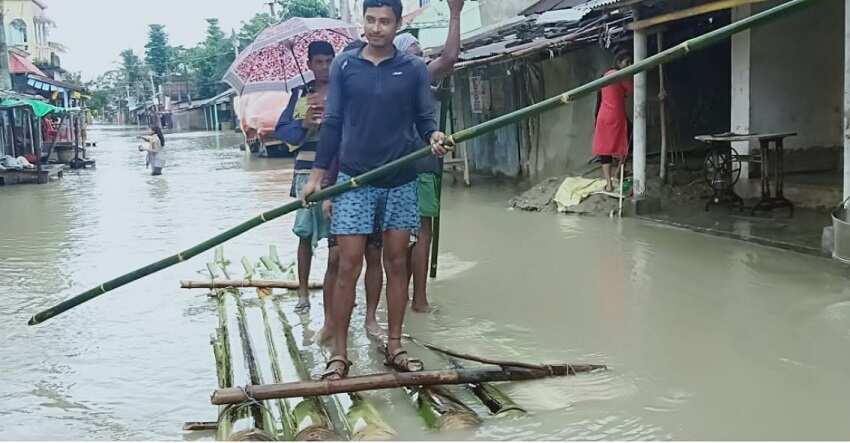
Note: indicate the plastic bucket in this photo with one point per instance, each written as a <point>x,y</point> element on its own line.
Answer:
<point>841,228</point>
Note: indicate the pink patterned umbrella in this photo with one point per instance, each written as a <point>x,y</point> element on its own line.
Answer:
<point>268,63</point>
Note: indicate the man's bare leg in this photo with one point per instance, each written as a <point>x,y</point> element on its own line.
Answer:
<point>374,285</point>
<point>305,262</point>
<point>328,294</point>
<point>419,265</point>
<point>396,247</point>
<point>351,249</point>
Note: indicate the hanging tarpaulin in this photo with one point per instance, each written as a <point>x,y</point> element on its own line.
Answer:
<point>40,108</point>
<point>44,85</point>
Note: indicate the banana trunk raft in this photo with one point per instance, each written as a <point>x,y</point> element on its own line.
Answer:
<point>268,387</point>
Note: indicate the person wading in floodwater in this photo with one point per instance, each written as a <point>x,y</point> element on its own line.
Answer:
<point>154,146</point>
<point>611,138</point>
<point>428,168</point>
<point>299,127</point>
<point>376,94</point>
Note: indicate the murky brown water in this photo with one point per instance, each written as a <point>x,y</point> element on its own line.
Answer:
<point>707,338</point>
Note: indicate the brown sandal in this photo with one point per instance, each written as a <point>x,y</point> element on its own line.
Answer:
<point>338,373</point>
<point>405,364</point>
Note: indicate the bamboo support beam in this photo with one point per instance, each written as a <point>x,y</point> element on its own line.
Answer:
<point>439,408</point>
<point>676,52</point>
<point>259,284</point>
<point>264,424</point>
<point>492,397</point>
<point>393,380</point>
<point>239,421</point>
<point>361,421</point>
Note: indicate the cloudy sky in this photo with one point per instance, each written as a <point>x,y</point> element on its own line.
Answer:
<point>96,31</point>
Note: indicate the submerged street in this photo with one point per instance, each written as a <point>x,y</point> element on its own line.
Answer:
<point>706,338</point>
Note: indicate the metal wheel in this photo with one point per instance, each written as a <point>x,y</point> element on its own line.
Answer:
<point>722,169</point>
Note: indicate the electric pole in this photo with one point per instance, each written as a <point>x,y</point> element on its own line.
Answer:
<point>235,41</point>
<point>271,8</point>
<point>345,10</point>
<point>5,77</point>
<point>332,9</point>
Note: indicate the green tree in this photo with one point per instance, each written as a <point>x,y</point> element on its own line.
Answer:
<point>131,66</point>
<point>302,8</point>
<point>107,92</point>
<point>209,60</point>
<point>158,53</point>
<point>252,28</point>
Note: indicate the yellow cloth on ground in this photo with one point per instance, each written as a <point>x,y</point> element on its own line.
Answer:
<point>575,189</point>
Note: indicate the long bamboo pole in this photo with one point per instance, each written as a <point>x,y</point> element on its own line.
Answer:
<point>392,380</point>
<point>676,52</point>
<point>445,105</point>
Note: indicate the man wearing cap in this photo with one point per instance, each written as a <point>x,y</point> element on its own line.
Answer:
<point>299,127</point>
<point>376,95</point>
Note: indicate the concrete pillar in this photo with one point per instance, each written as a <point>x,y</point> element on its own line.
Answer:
<point>847,99</point>
<point>640,119</point>
<point>206,118</point>
<point>741,80</point>
<point>215,116</point>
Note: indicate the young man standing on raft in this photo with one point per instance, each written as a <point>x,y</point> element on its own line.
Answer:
<point>376,94</point>
<point>298,127</point>
<point>427,170</point>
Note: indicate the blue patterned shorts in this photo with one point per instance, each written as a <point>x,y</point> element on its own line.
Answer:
<point>368,209</point>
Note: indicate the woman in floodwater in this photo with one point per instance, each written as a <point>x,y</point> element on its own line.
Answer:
<point>611,138</point>
<point>154,144</point>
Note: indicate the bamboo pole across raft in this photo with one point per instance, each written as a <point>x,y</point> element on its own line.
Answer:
<point>245,283</point>
<point>676,52</point>
<point>395,380</point>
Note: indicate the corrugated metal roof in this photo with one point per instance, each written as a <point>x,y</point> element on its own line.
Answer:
<point>551,5</point>
<point>604,4</point>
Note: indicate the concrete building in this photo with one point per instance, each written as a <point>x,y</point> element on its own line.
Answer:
<point>430,23</point>
<point>28,29</point>
<point>34,59</point>
<point>352,10</point>
<point>494,11</point>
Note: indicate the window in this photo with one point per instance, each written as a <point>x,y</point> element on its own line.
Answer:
<point>18,33</point>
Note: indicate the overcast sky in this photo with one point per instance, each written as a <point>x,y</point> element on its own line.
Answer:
<point>96,31</point>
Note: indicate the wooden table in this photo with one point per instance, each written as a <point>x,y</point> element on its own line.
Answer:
<point>772,163</point>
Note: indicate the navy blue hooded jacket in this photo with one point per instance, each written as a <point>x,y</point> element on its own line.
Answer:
<point>370,110</point>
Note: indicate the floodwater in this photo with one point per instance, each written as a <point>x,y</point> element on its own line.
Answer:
<point>706,338</point>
